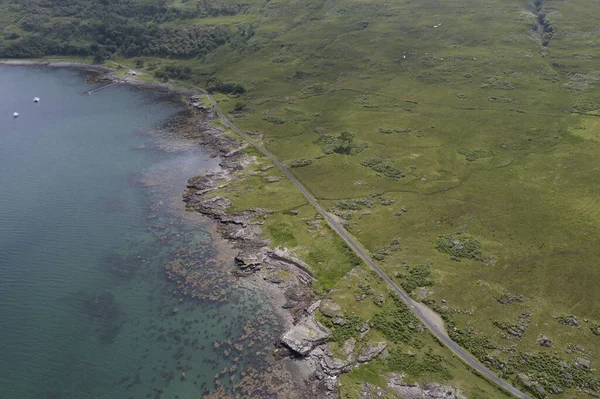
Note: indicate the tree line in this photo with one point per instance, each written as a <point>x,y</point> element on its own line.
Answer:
<point>106,27</point>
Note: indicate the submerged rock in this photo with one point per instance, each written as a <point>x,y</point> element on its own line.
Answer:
<point>304,336</point>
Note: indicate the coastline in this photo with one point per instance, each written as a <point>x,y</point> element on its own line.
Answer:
<point>256,266</point>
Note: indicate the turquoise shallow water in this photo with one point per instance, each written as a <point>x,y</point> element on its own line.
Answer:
<point>90,213</point>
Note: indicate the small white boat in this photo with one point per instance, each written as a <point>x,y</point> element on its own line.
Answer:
<point>36,99</point>
<point>15,114</point>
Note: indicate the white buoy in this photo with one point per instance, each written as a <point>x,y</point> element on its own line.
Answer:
<point>15,114</point>
<point>36,99</point>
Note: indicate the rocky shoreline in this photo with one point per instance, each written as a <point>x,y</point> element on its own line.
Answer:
<point>261,266</point>
<point>302,365</point>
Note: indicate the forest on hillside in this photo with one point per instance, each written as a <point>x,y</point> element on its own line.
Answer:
<point>107,27</point>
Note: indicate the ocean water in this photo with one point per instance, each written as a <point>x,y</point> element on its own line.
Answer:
<point>90,215</point>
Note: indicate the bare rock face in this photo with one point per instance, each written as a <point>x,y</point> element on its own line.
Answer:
<point>304,336</point>
<point>371,351</point>
<point>428,391</point>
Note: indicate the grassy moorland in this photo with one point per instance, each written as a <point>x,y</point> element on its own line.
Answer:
<point>471,171</point>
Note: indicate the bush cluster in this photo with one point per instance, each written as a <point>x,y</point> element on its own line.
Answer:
<point>174,72</point>
<point>398,324</point>
<point>354,204</point>
<point>343,144</point>
<point>382,166</point>
<point>411,364</point>
<point>350,329</point>
<point>390,131</point>
<point>418,276</point>
<point>108,27</point>
<point>300,163</point>
<point>551,373</point>
<point>278,120</point>
<point>472,155</point>
<point>459,245</point>
<point>394,245</point>
<point>223,86</point>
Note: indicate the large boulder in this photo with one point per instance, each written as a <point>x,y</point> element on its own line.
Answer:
<point>249,258</point>
<point>304,336</point>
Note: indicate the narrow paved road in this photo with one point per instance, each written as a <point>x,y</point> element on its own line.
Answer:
<point>335,225</point>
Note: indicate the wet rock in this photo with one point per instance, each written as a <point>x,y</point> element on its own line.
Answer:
<point>249,259</point>
<point>371,351</point>
<point>289,304</point>
<point>200,182</point>
<point>304,336</point>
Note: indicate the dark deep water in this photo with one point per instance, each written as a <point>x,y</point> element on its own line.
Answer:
<point>90,212</point>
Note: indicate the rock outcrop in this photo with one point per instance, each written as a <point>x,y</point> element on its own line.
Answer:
<point>427,391</point>
<point>330,364</point>
<point>398,388</point>
<point>371,351</point>
<point>304,336</point>
<point>329,308</point>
